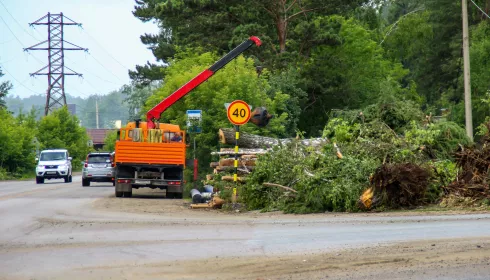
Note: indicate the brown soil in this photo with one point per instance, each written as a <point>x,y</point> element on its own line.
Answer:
<point>146,201</point>
<point>442,259</point>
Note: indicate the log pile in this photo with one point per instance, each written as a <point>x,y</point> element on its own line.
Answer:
<point>226,165</point>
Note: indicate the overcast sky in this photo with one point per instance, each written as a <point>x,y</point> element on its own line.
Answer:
<point>110,32</point>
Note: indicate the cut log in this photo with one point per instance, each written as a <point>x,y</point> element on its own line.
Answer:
<point>248,156</point>
<point>230,179</point>
<point>231,151</point>
<point>247,140</point>
<point>241,162</point>
<point>214,164</point>
<point>209,177</point>
<point>216,202</point>
<point>241,169</point>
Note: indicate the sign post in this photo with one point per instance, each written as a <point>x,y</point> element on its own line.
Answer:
<point>194,125</point>
<point>238,113</point>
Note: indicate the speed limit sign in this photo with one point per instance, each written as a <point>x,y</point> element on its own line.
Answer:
<point>238,112</point>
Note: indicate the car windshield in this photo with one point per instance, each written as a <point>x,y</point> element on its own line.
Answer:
<point>99,159</point>
<point>53,156</point>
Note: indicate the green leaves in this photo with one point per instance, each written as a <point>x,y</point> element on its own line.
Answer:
<point>17,150</point>
<point>4,88</point>
<point>61,130</point>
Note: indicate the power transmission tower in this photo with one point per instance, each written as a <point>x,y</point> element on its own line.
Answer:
<point>55,70</point>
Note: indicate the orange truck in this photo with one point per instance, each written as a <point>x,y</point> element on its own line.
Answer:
<point>152,154</point>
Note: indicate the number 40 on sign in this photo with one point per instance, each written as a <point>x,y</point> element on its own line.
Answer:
<point>238,112</point>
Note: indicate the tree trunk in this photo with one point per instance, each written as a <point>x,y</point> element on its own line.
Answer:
<point>281,32</point>
<point>247,140</point>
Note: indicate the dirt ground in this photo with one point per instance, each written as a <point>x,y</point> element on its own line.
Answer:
<point>146,201</point>
<point>444,259</point>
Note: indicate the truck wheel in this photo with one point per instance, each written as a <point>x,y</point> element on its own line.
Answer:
<point>85,182</point>
<point>119,194</point>
<point>67,178</point>
<point>114,183</point>
<point>178,195</point>
<point>39,180</point>
<point>128,194</point>
<point>70,179</point>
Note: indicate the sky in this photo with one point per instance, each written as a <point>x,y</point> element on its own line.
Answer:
<point>109,30</point>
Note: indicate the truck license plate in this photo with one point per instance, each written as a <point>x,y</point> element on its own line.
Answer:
<point>51,172</point>
<point>143,182</point>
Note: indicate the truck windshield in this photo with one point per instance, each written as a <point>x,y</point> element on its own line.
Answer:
<point>99,158</point>
<point>53,156</point>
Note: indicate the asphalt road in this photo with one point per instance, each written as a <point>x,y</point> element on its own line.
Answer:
<point>51,231</point>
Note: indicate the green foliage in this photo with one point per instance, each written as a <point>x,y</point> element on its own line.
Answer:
<point>4,88</point>
<point>110,141</point>
<point>325,183</point>
<point>344,70</point>
<point>446,172</point>
<point>17,150</point>
<point>61,130</point>
<point>397,114</point>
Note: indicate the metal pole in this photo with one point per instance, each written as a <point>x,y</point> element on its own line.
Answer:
<point>235,176</point>
<point>467,80</point>
<point>96,112</point>
<point>196,163</point>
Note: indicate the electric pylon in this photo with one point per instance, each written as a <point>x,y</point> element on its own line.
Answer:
<point>56,59</point>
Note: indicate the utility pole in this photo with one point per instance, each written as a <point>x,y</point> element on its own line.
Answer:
<point>55,70</point>
<point>96,112</point>
<point>467,80</point>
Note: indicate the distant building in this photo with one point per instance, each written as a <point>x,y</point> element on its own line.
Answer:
<point>98,136</point>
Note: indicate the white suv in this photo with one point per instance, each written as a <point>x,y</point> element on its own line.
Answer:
<point>54,164</point>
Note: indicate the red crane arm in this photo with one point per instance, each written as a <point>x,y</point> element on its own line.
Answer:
<point>156,112</point>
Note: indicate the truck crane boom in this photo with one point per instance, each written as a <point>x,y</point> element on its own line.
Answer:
<point>155,113</point>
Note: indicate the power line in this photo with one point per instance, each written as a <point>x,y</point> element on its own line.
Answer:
<point>8,27</point>
<point>21,83</point>
<point>126,68</point>
<point>5,42</point>
<point>480,9</point>
<point>1,3</point>
<point>90,72</point>
<point>105,67</point>
<point>21,44</point>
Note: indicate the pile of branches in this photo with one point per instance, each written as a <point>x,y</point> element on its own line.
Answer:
<point>395,186</point>
<point>474,164</point>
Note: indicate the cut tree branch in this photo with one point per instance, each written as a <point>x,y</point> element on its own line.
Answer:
<point>280,186</point>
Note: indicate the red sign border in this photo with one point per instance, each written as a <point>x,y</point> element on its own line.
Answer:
<point>246,105</point>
